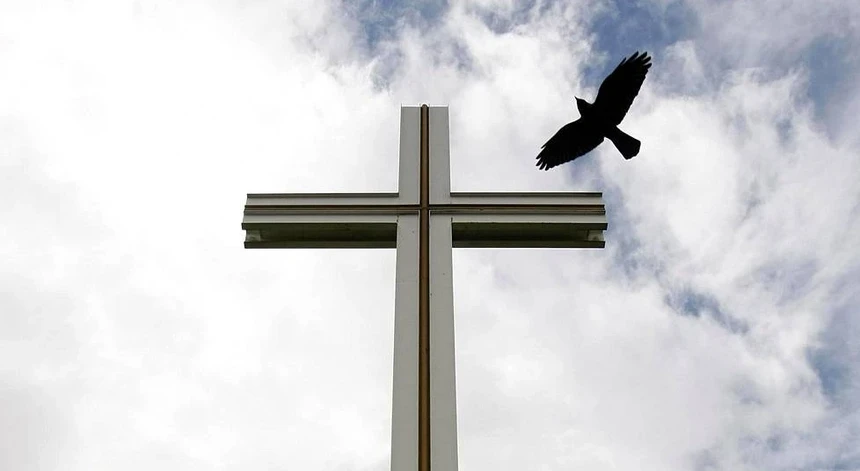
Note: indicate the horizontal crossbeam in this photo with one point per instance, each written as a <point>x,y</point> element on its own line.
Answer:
<point>479,220</point>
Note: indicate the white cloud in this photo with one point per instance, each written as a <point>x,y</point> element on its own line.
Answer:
<point>136,330</point>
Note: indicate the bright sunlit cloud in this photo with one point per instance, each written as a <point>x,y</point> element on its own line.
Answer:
<point>717,330</point>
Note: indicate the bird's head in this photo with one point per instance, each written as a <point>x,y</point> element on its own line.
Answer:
<point>582,105</point>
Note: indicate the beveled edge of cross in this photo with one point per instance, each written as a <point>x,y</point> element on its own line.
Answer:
<point>479,219</point>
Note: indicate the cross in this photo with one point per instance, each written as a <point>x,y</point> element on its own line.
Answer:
<point>423,221</point>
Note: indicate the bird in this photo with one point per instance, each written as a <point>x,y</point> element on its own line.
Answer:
<point>600,119</point>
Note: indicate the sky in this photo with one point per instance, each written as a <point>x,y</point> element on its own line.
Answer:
<point>718,329</point>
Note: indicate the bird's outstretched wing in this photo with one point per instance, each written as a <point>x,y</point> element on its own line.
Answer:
<point>571,141</point>
<point>619,88</point>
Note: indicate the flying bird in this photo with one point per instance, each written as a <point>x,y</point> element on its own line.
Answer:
<point>600,119</point>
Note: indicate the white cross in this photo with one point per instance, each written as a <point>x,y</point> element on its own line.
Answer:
<point>423,221</point>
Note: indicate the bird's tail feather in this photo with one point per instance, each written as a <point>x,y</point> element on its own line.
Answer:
<point>625,143</point>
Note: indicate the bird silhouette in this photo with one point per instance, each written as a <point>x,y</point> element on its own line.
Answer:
<point>601,119</point>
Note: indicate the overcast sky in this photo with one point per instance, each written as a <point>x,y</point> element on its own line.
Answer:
<point>718,330</point>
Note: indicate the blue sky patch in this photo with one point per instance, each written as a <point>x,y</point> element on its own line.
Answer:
<point>690,302</point>
<point>380,19</point>
<point>832,74</point>
<point>835,362</point>
<point>624,27</point>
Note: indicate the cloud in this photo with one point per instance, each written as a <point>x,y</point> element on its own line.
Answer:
<point>34,427</point>
<point>714,332</point>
